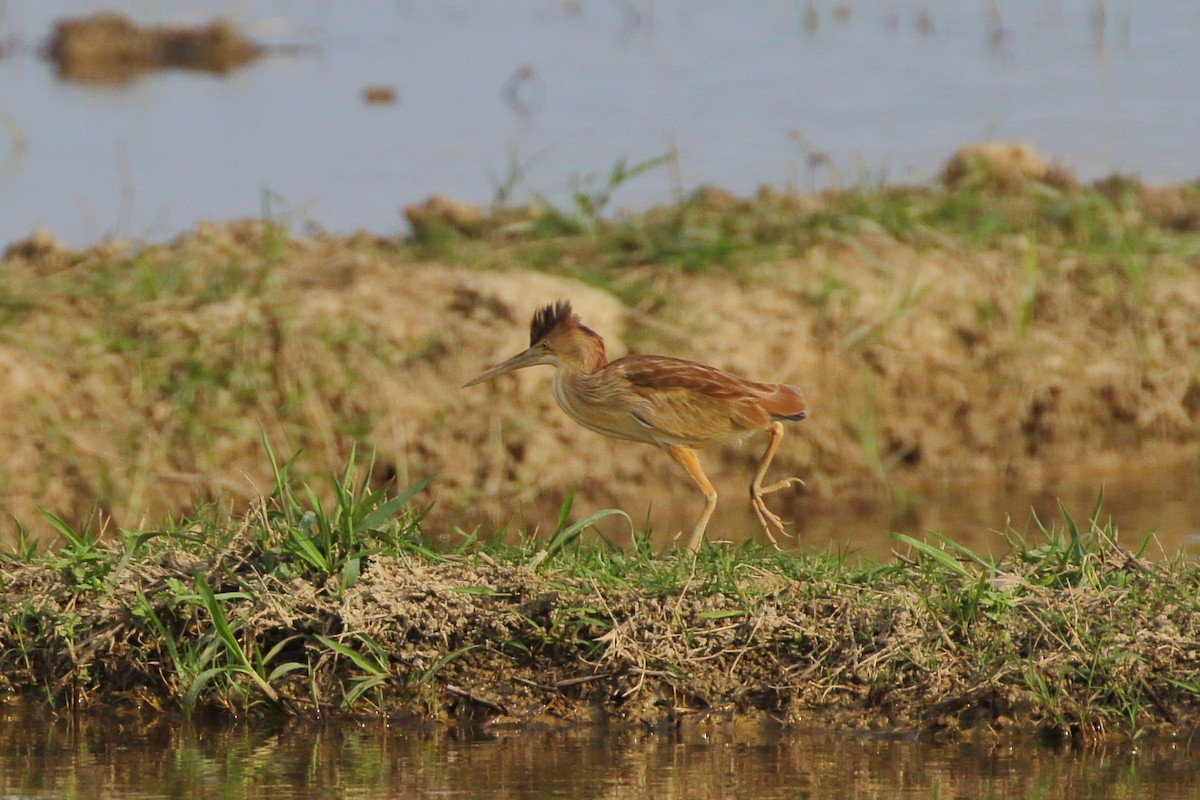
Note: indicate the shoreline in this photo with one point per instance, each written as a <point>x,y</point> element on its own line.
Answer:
<point>1074,636</point>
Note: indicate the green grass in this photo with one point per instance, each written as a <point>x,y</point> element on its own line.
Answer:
<point>1071,632</point>
<point>1120,234</point>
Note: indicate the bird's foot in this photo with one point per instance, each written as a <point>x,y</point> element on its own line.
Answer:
<point>770,521</point>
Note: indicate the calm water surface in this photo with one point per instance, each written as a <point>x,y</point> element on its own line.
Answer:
<point>136,757</point>
<point>749,92</point>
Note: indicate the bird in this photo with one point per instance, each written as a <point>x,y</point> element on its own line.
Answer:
<point>671,403</point>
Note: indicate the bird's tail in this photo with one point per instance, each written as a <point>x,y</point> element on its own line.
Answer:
<point>786,402</point>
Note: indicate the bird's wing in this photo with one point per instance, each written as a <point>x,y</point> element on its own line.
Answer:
<point>692,404</point>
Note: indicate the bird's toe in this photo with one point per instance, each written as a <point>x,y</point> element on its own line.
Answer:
<point>770,521</point>
<point>783,484</point>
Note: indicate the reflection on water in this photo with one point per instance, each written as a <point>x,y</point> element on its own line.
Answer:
<point>120,756</point>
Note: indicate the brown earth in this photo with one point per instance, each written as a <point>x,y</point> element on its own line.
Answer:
<point>1096,643</point>
<point>138,379</point>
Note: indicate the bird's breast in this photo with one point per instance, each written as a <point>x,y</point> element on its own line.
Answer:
<point>601,406</point>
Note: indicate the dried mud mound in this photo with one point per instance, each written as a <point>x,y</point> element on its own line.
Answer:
<point>138,380</point>
<point>111,48</point>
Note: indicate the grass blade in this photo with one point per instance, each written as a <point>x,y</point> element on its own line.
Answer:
<point>565,536</point>
<point>362,686</point>
<point>225,633</point>
<point>77,541</point>
<point>361,661</point>
<point>431,672</point>
<point>200,682</point>
<point>935,554</point>
<point>387,512</point>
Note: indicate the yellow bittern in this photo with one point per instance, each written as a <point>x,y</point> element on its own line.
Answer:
<point>667,402</point>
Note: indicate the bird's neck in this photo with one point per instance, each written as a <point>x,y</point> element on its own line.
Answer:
<point>597,359</point>
<point>572,375</point>
<point>589,358</point>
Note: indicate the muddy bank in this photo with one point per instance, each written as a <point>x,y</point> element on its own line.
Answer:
<point>1079,637</point>
<point>1014,327</point>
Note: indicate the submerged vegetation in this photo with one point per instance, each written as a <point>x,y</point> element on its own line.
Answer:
<point>312,608</point>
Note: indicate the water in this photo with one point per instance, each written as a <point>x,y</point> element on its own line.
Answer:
<point>749,93</point>
<point>128,755</point>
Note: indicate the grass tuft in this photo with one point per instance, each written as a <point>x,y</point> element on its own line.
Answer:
<point>307,608</point>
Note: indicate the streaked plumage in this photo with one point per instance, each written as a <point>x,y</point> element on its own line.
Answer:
<point>667,402</point>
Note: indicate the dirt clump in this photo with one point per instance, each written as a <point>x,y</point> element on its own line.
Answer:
<point>1005,166</point>
<point>109,47</point>
<point>377,94</point>
<point>442,212</point>
<point>438,217</point>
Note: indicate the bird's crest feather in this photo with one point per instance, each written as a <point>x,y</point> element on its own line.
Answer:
<point>549,317</point>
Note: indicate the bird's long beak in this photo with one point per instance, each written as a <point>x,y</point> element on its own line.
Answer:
<point>526,358</point>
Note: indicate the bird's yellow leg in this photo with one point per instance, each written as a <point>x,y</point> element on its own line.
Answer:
<point>766,517</point>
<point>687,459</point>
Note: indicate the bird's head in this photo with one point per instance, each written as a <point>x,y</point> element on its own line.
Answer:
<point>558,338</point>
